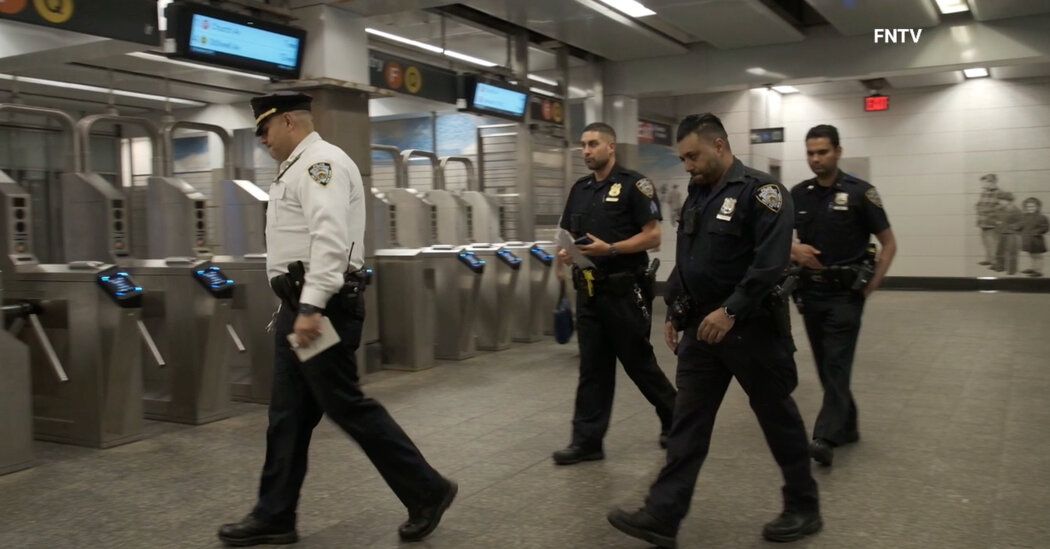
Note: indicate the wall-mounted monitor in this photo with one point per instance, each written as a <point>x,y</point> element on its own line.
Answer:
<point>236,41</point>
<point>494,98</point>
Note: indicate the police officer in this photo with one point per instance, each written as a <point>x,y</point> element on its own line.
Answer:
<point>316,216</point>
<point>615,213</point>
<point>734,242</point>
<point>835,216</point>
<point>987,206</point>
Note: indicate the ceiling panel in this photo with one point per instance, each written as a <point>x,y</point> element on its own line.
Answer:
<point>373,7</point>
<point>922,80</point>
<point>707,20</point>
<point>585,24</point>
<point>1033,70</point>
<point>987,10</point>
<point>860,17</point>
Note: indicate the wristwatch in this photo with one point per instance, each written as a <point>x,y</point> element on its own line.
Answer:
<point>729,314</point>
<point>307,309</point>
<point>613,250</point>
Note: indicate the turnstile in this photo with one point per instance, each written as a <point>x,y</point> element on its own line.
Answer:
<point>406,317</point>
<point>84,348</point>
<point>457,275</point>
<point>529,304</point>
<point>496,296</point>
<point>454,221</point>
<point>545,288</point>
<point>16,407</point>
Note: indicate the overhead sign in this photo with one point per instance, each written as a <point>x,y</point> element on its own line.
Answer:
<point>874,103</point>
<point>130,20</point>
<point>237,41</point>
<point>654,133</point>
<point>546,109</point>
<point>412,77</point>
<point>767,135</point>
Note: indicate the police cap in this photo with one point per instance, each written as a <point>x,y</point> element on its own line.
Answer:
<point>265,106</point>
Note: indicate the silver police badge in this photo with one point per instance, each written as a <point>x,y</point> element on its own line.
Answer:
<point>770,197</point>
<point>727,209</point>
<point>321,172</point>
<point>646,187</point>
<point>873,195</point>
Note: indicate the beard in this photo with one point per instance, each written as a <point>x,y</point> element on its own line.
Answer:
<point>596,165</point>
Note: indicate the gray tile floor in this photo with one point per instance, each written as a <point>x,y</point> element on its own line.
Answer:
<point>955,453</point>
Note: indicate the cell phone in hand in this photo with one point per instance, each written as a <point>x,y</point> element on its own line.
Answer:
<point>583,241</point>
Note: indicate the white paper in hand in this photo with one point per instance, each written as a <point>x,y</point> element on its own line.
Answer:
<point>327,338</point>
<point>565,241</point>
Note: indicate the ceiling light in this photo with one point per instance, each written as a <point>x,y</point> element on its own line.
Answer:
<point>403,40</point>
<point>542,80</point>
<point>952,6</point>
<point>976,72</point>
<point>469,58</point>
<point>162,59</point>
<point>99,89</point>
<point>784,90</point>
<point>629,7</point>
<point>542,91</point>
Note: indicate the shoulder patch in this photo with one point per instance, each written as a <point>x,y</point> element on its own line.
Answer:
<point>873,196</point>
<point>321,172</point>
<point>646,187</point>
<point>770,197</point>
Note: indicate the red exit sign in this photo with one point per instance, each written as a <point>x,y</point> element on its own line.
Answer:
<point>876,103</point>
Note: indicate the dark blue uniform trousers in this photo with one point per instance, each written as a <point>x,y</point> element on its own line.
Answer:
<point>328,384</point>
<point>833,325</point>
<point>611,327</point>
<point>762,362</point>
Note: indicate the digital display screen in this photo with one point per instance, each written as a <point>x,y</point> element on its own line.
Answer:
<point>494,98</point>
<point>487,96</point>
<point>236,41</point>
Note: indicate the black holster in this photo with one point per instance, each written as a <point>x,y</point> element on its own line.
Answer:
<point>289,286</point>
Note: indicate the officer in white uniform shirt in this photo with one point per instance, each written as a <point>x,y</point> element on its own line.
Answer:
<point>315,222</point>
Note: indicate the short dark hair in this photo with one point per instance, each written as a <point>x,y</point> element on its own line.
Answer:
<point>824,130</point>
<point>705,125</point>
<point>600,127</point>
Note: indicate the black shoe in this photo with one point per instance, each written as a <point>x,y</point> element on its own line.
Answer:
<point>640,524</point>
<point>575,454</point>
<point>851,438</point>
<point>822,451</point>
<point>252,531</point>
<point>792,525</point>
<point>663,439</point>
<point>422,521</point>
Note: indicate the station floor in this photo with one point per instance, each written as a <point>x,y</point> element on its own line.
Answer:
<point>955,419</point>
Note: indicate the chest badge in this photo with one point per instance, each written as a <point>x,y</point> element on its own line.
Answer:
<point>841,201</point>
<point>725,213</point>
<point>614,193</point>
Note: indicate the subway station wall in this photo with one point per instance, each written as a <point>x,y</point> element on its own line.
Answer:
<point>926,155</point>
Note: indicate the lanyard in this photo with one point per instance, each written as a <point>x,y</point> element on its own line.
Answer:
<point>286,168</point>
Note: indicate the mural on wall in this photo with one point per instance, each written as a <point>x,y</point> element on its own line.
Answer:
<point>191,154</point>
<point>1009,231</point>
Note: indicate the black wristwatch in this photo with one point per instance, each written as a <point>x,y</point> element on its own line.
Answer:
<point>729,314</point>
<point>307,309</point>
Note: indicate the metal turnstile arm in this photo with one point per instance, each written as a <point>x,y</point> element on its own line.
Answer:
<point>144,332</point>
<point>49,350</point>
<point>236,338</point>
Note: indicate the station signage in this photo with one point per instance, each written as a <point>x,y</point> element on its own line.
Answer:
<point>129,20</point>
<point>398,74</point>
<point>654,133</point>
<point>546,109</point>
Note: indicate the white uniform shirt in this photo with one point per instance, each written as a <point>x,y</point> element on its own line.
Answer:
<point>316,215</point>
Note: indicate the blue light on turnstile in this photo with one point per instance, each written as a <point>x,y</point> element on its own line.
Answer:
<point>472,261</point>
<point>509,258</point>
<point>541,254</point>
<point>121,288</point>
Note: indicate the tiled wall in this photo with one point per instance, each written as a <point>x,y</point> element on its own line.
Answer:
<point>927,154</point>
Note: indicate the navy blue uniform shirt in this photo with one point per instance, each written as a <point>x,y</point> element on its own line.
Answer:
<point>613,210</point>
<point>734,241</point>
<point>838,220</point>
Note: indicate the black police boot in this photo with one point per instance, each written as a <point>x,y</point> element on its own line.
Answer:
<point>640,524</point>
<point>792,525</point>
<point>252,531</point>
<point>423,520</point>
<point>576,454</point>
<point>822,451</point>
<point>663,439</point>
